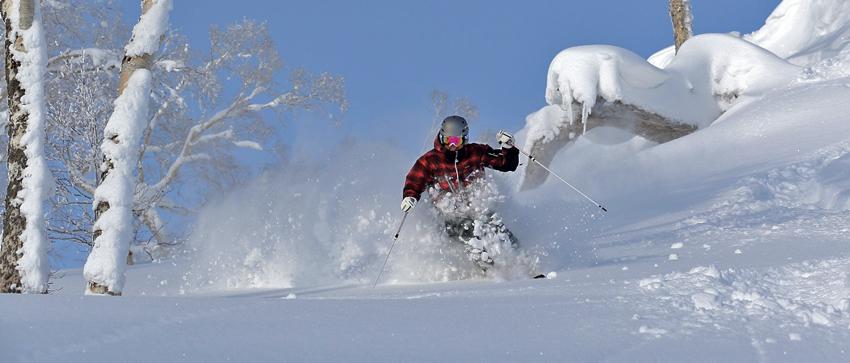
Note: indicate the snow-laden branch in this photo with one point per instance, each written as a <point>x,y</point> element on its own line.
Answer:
<point>80,182</point>
<point>100,58</point>
<point>192,137</point>
<point>152,123</point>
<point>240,106</point>
<point>223,135</point>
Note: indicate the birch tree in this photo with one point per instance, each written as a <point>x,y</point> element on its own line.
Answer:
<point>206,108</point>
<point>235,86</point>
<point>680,13</point>
<point>23,253</point>
<point>240,71</point>
<point>113,198</point>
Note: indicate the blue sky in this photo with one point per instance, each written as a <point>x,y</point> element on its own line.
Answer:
<point>394,53</point>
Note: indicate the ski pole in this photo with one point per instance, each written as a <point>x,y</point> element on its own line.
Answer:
<point>559,178</point>
<point>395,238</point>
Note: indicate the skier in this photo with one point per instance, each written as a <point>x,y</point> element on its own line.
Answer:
<point>451,169</point>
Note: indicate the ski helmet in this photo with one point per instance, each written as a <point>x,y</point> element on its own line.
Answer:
<point>454,130</point>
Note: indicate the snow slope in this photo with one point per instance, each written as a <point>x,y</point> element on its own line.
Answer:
<point>728,244</point>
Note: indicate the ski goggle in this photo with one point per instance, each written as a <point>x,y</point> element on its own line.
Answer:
<point>456,141</point>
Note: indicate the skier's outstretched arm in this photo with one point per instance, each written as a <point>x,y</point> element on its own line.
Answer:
<point>417,179</point>
<point>504,159</point>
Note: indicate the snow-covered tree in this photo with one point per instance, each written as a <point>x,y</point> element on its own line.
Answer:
<point>206,107</point>
<point>235,89</point>
<point>113,198</point>
<point>680,13</point>
<point>23,253</point>
<point>84,44</point>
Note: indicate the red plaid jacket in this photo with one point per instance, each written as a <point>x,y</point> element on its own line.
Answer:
<point>437,167</point>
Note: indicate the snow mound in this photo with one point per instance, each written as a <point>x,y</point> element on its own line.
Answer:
<point>802,41</point>
<point>709,75</point>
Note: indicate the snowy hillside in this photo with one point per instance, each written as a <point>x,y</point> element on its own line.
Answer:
<point>726,244</point>
<point>670,95</point>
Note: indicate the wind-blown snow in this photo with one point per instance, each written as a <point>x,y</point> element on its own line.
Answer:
<point>37,179</point>
<point>332,223</point>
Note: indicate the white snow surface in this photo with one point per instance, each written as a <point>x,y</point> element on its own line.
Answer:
<point>150,28</point>
<point>754,205</point>
<point>106,263</point>
<point>37,179</point>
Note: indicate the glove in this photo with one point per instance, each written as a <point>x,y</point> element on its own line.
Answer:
<point>505,139</point>
<point>407,204</point>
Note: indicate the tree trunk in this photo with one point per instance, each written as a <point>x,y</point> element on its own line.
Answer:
<point>680,13</point>
<point>23,253</point>
<point>104,270</point>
